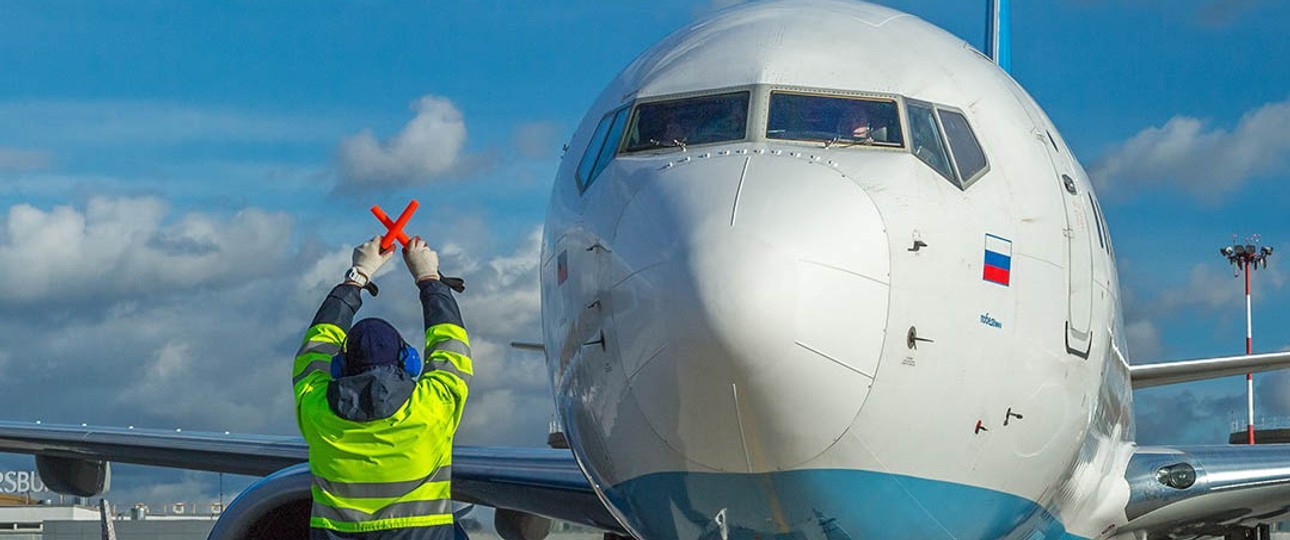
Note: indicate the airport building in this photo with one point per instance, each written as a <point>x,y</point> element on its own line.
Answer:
<point>29,511</point>
<point>76,522</point>
<point>23,518</point>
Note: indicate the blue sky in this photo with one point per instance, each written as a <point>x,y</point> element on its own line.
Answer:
<point>190,177</point>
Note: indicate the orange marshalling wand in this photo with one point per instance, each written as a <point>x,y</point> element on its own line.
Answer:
<point>395,226</point>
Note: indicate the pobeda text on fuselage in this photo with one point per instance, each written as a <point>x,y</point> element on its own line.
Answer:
<point>825,271</point>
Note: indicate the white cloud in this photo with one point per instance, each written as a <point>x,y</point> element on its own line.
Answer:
<point>1205,161</point>
<point>212,352</point>
<point>209,357</point>
<point>427,147</point>
<point>503,290</point>
<point>17,159</point>
<point>1180,415</point>
<point>1209,291</point>
<point>165,321</point>
<point>126,246</point>
<point>1144,341</point>
<point>327,270</point>
<point>538,140</point>
<point>1211,288</point>
<point>510,400</point>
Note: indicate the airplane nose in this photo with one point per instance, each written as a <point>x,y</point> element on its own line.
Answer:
<point>751,303</point>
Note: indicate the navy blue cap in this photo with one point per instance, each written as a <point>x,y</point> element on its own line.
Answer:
<point>372,342</point>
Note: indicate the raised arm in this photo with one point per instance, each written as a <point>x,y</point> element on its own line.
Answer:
<point>448,363</point>
<point>326,334</point>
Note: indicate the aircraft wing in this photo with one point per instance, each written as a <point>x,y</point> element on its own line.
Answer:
<point>540,481</point>
<point>1202,491</point>
<point>1148,375</point>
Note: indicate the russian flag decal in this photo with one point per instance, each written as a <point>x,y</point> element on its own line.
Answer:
<point>998,260</point>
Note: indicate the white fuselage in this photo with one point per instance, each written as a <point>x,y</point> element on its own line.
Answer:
<point>765,337</point>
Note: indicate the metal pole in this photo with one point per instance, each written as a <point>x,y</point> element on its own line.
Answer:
<point>105,520</point>
<point>1249,349</point>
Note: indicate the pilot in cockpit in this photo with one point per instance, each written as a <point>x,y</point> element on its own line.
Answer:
<point>863,128</point>
<point>854,124</point>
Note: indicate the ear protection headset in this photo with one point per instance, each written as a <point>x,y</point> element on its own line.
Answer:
<point>409,359</point>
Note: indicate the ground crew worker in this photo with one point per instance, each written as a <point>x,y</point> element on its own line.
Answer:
<point>379,422</point>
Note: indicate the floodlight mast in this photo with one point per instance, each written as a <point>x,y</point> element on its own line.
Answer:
<point>1248,257</point>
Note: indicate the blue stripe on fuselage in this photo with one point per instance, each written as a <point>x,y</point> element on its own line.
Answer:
<point>825,504</point>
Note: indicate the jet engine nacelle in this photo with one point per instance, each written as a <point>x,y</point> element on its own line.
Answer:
<point>276,507</point>
<point>516,525</point>
<point>72,476</point>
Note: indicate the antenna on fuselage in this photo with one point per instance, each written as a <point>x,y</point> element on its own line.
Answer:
<point>998,32</point>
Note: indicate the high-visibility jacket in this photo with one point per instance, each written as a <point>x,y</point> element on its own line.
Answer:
<point>385,472</point>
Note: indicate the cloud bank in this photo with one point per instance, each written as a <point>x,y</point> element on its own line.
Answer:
<point>1209,289</point>
<point>125,311</point>
<point>1207,162</point>
<point>119,247</point>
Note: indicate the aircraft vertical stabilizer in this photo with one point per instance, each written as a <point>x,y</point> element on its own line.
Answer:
<point>998,32</point>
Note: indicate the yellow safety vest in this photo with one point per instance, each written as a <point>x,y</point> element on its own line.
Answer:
<point>392,472</point>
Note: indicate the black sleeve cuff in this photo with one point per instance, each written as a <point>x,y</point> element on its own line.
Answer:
<point>438,305</point>
<point>340,306</point>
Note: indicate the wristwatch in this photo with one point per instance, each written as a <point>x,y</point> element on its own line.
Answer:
<point>357,277</point>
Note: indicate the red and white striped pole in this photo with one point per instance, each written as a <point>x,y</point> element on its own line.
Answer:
<point>1249,348</point>
<point>1247,257</point>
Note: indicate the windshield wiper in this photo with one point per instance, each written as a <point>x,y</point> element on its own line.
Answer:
<point>674,143</point>
<point>837,141</point>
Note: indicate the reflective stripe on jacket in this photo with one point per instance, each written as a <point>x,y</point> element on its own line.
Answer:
<point>392,472</point>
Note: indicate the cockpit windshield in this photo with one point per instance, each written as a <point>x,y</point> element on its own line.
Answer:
<point>689,121</point>
<point>834,120</point>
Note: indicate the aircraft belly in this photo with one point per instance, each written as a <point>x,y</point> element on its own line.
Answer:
<point>826,504</point>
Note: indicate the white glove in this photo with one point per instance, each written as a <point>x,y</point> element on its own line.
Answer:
<point>422,261</point>
<point>368,258</point>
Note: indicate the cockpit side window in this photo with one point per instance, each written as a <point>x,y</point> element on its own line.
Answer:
<point>688,121</point>
<point>925,135</point>
<point>834,120</point>
<point>963,145</point>
<point>600,151</point>
<point>612,139</point>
